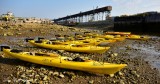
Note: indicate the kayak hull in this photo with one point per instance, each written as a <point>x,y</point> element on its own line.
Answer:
<point>71,47</point>
<point>59,61</point>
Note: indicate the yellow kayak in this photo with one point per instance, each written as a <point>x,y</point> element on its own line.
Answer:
<point>112,37</point>
<point>100,40</point>
<point>119,38</point>
<point>70,47</point>
<point>96,41</point>
<point>78,42</point>
<point>118,33</point>
<point>107,36</point>
<point>137,37</point>
<point>66,62</point>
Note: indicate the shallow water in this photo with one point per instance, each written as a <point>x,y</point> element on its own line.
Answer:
<point>149,53</point>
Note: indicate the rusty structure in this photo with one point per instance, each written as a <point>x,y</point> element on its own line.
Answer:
<point>97,14</point>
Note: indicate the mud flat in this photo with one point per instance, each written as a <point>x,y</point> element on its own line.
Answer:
<point>142,57</point>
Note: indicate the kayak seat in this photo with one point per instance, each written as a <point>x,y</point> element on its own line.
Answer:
<point>38,41</point>
<point>41,54</point>
<point>77,45</point>
<point>52,40</point>
<point>107,39</point>
<point>78,59</point>
<point>16,51</point>
<point>32,53</point>
<point>49,42</point>
<point>85,41</point>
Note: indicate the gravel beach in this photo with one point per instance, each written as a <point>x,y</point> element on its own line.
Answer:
<point>142,58</point>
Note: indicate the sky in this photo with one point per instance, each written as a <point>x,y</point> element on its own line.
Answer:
<point>54,9</point>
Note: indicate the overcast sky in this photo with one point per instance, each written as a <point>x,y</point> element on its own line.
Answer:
<point>60,8</point>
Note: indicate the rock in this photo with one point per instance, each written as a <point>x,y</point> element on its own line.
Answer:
<point>1,27</point>
<point>27,81</point>
<point>134,82</point>
<point>18,33</point>
<point>29,71</point>
<point>60,38</point>
<point>114,81</point>
<point>86,58</point>
<point>45,72</point>
<point>69,59</point>
<point>23,76</point>
<point>8,81</point>
<point>103,44</point>
<point>61,51</point>
<point>115,54</point>
<point>69,73</point>
<point>121,82</point>
<point>35,81</point>
<point>20,25</point>
<point>10,34</point>
<point>19,80</point>
<point>54,39</point>
<point>108,52</point>
<point>32,30</point>
<point>77,54</point>
<point>120,73</point>
<point>61,75</point>
<point>32,75</point>
<point>42,69</point>
<point>21,45</point>
<point>111,75</point>
<point>41,82</point>
<point>133,72</point>
<point>55,73</point>
<point>137,75</point>
<point>128,47</point>
<point>45,77</point>
<point>73,77</point>
<point>91,81</point>
<point>50,73</point>
<point>41,74</point>
<point>18,29</point>
<point>63,30</point>
<point>111,55</point>
<point>37,76</point>
<point>99,82</point>
<point>4,34</point>
<point>42,32</point>
<point>18,72</point>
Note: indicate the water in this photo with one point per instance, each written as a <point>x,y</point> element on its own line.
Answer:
<point>149,53</point>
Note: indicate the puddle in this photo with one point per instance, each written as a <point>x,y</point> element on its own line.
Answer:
<point>149,53</point>
<point>148,50</point>
<point>155,37</point>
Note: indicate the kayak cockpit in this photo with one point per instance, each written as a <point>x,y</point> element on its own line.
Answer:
<point>34,54</point>
<point>77,59</point>
<point>15,51</point>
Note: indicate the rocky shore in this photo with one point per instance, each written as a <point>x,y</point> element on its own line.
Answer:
<point>142,58</point>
